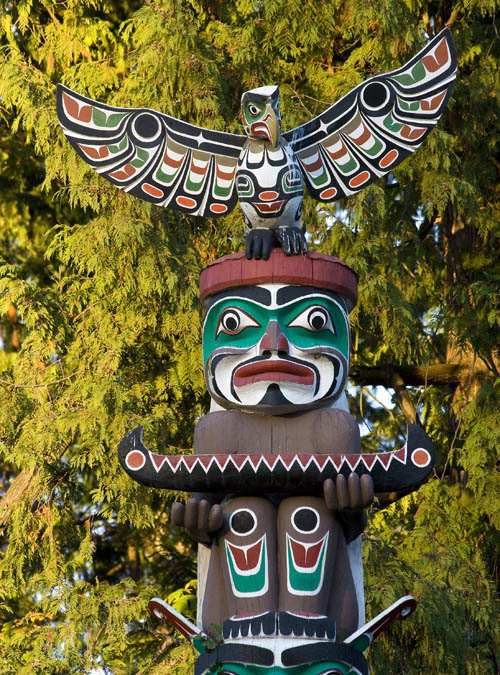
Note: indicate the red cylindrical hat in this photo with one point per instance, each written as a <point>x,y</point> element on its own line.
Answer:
<point>312,269</point>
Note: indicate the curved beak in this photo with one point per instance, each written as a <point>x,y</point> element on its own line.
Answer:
<point>269,127</point>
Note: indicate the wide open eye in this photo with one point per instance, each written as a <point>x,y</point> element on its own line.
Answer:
<point>253,110</point>
<point>315,318</point>
<point>233,320</point>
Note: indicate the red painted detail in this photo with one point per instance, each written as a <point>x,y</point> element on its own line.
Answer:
<point>174,460</point>
<point>187,202</point>
<point>369,460</point>
<point>158,460</point>
<point>246,559</point>
<point>315,165</point>
<point>314,269</point>
<point>268,195</point>
<point>238,460</point>
<point>434,62</point>
<point>200,170</point>
<point>95,153</point>
<point>224,175</point>
<point>420,457</point>
<point>351,460</point>
<point>434,103</point>
<point>153,191</point>
<point>339,153</point>
<point>271,460</point>
<point>304,556</point>
<point>359,140</point>
<point>261,130</point>
<point>191,460</point>
<point>388,159</point>
<point>401,454</point>
<point>170,161</point>
<point>218,208</point>
<point>82,114</point>
<point>411,133</point>
<point>328,193</point>
<point>135,460</point>
<point>385,458</point>
<point>269,207</point>
<point>358,180</point>
<point>279,370</point>
<point>278,342</point>
<point>124,173</point>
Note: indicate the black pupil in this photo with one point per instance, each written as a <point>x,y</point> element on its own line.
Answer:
<point>231,322</point>
<point>146,125</point>
<point>375,94</point>
<point>317,320</point>
<point>242,522</point>
<point>305,520</point>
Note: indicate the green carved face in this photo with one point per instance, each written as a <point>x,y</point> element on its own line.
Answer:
<point>276,348</point>
<point>320,668</point>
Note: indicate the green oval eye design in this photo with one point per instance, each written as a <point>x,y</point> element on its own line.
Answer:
<point>234,320</point>
<point>253,111</point>
<point>315,318</point>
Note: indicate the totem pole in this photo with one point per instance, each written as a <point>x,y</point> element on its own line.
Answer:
<point>279,479</point>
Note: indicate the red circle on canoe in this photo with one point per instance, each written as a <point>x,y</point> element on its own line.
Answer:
<point>420,457</point>
<point>135,460</point>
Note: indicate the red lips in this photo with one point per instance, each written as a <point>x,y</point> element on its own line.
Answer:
<point>278,370</point>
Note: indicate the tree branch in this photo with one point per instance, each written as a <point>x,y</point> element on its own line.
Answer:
<point>412,376</point>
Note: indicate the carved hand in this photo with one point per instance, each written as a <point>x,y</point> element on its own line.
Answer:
<point>198,517</point>
<point>348,498</point>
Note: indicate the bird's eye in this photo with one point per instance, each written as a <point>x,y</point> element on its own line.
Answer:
<point>315,318</point>
<point>233,320</point>
<point>253,110</point>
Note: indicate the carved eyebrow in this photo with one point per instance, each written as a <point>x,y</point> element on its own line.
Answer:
<point>289,293</point>
<point>260,295</point>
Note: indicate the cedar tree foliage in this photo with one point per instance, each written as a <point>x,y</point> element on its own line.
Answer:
<point>100,323</point>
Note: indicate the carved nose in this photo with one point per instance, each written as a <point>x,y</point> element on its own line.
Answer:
<point>273,340</point>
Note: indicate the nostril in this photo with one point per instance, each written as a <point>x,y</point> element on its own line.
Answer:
<point>267,353</point>
<point>283,345</point>
<point>282,353</point>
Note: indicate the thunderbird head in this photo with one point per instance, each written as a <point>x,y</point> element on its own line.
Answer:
<point>260,109</point>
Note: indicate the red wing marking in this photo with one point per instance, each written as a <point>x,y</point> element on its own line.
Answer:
<point>94,153</point>
<point>82,114</point>
<point>187,202</point>
<point>358,180</point>
<point>412,133</point>
<point>439,58</point>
<point>122,174</point>
<point>434,103</point>
<point>152,190</point>
<point>328,193</point>
<point>388,159</point>
<point>218,208</point>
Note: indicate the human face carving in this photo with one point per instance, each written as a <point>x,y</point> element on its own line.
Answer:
<point>276,349</point>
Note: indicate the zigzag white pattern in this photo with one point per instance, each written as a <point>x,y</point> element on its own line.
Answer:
<point>223,462</point>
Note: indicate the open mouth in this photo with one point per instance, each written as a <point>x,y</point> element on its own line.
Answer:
<point>261,130</point>
<point>268,207</point>
<point>278,370</point>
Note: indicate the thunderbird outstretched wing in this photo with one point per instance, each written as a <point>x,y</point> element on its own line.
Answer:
<point>377,125</point>
<point>154,156</point>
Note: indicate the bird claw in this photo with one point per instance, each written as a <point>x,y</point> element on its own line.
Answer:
<point>261,240</point>
<point>292,240</point>
<point>259,244</point>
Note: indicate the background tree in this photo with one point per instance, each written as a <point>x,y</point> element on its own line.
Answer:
<point>100,323</point>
